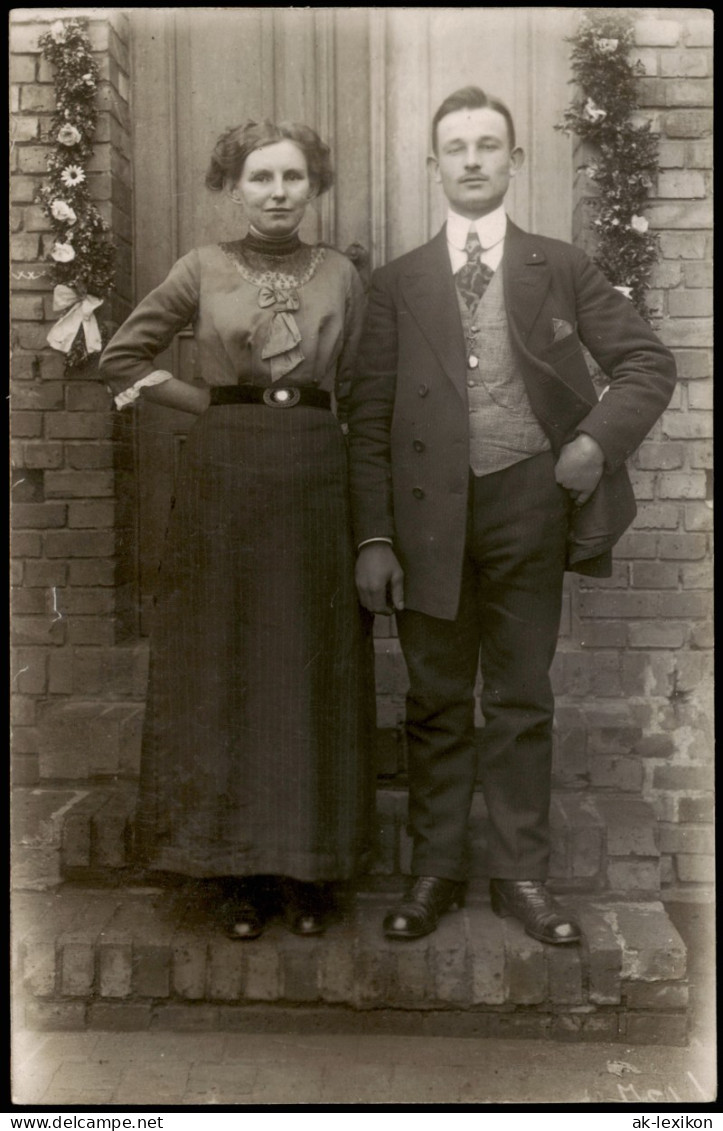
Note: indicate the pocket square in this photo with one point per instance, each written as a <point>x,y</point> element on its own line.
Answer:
<point>561,329</point>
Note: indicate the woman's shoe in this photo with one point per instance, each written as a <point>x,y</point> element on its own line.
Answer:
<point>243,920</point>
<point>306,907</point>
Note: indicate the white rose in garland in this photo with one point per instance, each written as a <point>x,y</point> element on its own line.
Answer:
<point>62,211</point>
<point>68,135</point>
<point>63,252</point>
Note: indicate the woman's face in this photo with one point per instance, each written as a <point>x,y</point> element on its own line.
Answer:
<point>275,188</point>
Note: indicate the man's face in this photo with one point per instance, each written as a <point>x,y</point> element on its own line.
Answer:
<point>474,161</point>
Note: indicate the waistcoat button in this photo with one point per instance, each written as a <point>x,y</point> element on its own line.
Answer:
<point>418,445</point>
<point>418,492</point>
<point>423,390</point>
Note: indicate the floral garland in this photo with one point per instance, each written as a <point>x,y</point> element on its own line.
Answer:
<point>83,254</point>
<point>627,160</point>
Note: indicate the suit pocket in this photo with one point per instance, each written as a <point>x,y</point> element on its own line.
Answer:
<point>562,348</point>
<point>568,360</point>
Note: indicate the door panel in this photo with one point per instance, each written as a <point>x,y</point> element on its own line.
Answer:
<point>369,80</point>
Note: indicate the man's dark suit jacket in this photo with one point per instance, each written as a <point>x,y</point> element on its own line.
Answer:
<point>408,418</point>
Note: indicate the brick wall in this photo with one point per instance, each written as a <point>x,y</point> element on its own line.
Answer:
<point>645,635</point>
<point>68,547</point>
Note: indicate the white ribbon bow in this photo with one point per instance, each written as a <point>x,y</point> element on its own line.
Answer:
<point>79,312</point>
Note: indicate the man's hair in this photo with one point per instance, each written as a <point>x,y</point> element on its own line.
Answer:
<point>472,98</point>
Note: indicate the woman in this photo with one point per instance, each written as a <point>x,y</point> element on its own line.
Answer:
<point>255,753</point>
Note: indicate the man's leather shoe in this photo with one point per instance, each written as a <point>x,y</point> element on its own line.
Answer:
<point>423,903</point>
<point>530,902</point>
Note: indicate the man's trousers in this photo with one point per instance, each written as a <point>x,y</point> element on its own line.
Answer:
<point>507,624</point>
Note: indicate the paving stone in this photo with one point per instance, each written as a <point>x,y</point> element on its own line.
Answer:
<point>486,946</point>
<point>525,968</point>
<point>53,1015</point>
<point>209,1080</point>
<point>77,968</point>
<point>336,965</point>
<point>564,974</point>
<point>263,971</point>
<point>603,955</point>
<point>296,1085</point>
<point>116,967</point>
<point>226,970</point>
<point>161,1081</point>
<point>451,965</point>
<point>652,948</point>
<point>358,1084</point>
<point>656,1029</point>
<point>414,984</point>
<point>119,1016</point>
<point>151,975</point>
<point>300,960</point>
<point>185,1017</point>
<point>38,966</point>
<point>375,961</point>
<point>188,961</point>
<point>656,995</point>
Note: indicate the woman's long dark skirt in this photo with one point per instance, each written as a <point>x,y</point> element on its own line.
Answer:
<point>256,751</point>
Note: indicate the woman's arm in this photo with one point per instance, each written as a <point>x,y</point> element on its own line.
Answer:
<point>177,394</point>
<point>128,362</point>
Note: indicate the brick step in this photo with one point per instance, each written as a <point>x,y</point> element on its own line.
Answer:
<point>599,843</point>
<point>151,957</point>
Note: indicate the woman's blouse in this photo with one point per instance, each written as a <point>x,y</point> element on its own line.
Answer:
<point>293,318</point>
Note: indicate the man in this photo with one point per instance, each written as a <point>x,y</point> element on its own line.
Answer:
<point>482,466</point>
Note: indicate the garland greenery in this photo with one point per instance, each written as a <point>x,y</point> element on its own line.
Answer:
<point>83,254</point>
<point>626,160</point>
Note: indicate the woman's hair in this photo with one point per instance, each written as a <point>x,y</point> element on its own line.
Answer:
<point>235,144</point>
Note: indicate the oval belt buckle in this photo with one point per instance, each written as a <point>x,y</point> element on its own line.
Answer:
<point>282,398</point>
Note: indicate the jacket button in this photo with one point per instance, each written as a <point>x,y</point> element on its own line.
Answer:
<point>418,492</point>
<point>423,390</point>
<point>418,445</point>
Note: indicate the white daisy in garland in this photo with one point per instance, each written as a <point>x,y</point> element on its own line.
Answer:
<point>72,175</point>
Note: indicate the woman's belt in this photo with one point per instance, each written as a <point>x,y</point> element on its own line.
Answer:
<point>275,396</point>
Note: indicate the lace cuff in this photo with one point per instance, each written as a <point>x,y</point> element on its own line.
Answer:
<point>129,396</point>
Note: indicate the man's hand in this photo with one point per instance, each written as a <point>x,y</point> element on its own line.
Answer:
<point>379,578</point>
<point>580,467</point>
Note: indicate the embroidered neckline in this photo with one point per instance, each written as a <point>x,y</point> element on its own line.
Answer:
<point>282,271</point>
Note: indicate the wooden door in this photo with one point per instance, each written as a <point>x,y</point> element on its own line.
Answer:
<point>369,80</point>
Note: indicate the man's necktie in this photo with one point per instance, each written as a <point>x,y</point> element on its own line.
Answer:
<point>473,279</point>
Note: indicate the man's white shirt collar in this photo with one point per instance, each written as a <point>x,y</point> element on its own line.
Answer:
<point>490,228</point>
<point>491,231</point>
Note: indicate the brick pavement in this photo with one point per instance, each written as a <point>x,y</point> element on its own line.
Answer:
<point>162,1070</point>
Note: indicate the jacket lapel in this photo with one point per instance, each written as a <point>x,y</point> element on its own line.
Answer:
<point>526,277</point>
<point>429,291</point>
